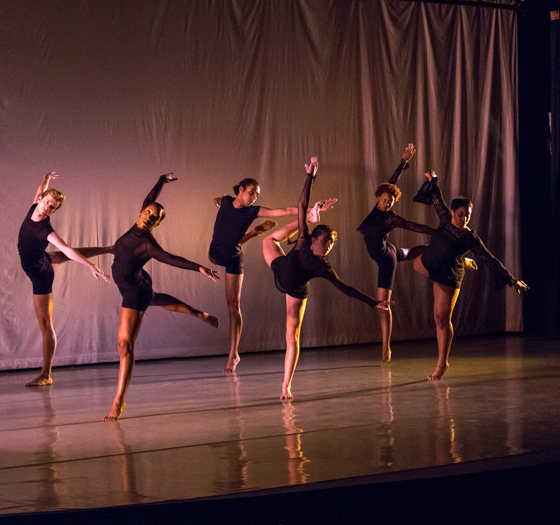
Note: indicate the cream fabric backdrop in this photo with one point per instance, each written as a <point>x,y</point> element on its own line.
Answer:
<point>113,93</point>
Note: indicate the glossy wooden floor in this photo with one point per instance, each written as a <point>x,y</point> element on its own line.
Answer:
<point>189,431</point>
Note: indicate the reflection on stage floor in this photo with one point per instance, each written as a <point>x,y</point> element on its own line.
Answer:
<point>190,431</point>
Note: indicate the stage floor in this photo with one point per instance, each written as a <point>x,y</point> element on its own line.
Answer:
<point>189,431</point>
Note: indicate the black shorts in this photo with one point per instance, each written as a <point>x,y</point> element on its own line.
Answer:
<point>233,265</point>
<point>387,264</point>
<point>42,279</point>
<point>137,297</point>
<point>278,267</point>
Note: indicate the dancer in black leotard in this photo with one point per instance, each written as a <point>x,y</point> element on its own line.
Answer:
<point>230,231</point>
<point>306,261</point>
<point>375,228</point>
<point>443,263</point>
<point>132,251</point>
<point>34,236</point>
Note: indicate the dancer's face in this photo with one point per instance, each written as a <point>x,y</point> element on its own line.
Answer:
<point>248,195</point>
<point>385,201</point>
<point>461,217</point>
<point>150,217</point>
<point>47,205</point>
<point>322,245</point>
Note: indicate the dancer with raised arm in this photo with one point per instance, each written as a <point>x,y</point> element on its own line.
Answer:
<point>306,261</point>
<point>375,228</point>
<point>234,218</point>
<point>35,235</point>
<point>443,262</point>
<point>132,251</point>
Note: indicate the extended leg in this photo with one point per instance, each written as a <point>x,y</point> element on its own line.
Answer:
<point>234,282</point>
<point>412,253</point>
<point>59,257</point>
<point>386,319</point>
<point>131,320</point>
<point>445,298</point>
<point>257,230</point>
<point>43,310</point>
<point>175,305</point>
<point>295,308</point>
<point>271,244</point>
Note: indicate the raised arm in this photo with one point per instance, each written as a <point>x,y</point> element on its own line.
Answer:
<point>44,186</point>
<point>430,193</point>
<point>156,190</point>
<point>155,251</point>
<point>406,156</point>
<point>303,203</point>
<point>53,238</point>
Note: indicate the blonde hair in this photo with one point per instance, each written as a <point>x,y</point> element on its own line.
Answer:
<point>58,196</point>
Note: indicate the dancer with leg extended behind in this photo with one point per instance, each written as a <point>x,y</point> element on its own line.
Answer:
<point>35,235</point>
<point>132,251</point>
<point>306,261</point>
<point>234,217</point>
<point>443,263</point>
<point>376,228</point>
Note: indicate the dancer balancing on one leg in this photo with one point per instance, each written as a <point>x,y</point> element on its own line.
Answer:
<point>132,251</point>
<point>230,231</point>
<point>443,263</point>
<point>35,235</point>
<point>306,261</point>
<point>375,228</point>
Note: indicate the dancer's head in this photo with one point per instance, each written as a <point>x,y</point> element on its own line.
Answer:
<point>461,210</point>
<point>387,194</point>
<point>151,216</point>
<point>247,191</point>
<point>50,201</point>
<point>323,238</point>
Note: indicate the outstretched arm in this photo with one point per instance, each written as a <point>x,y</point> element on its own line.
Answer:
<point>406,156</point>
<point>75,256</point>
<point>156,190</point>
<point>159,254</point>
<point>44,186</point>
<point>277,212</point>
<point>399,222</point>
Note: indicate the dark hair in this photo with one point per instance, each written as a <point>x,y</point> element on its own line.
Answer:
<point>321,229</point>
<point>244,183</point>
<point>160,208</point>
<point>460,202</point>
<point>391,189</point>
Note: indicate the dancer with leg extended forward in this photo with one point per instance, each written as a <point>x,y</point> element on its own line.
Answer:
<point>230,231</point>
<point>35,235</point>
<point>306,261</point>
<point>443,263</point>
<point>132,251</point>
<point>375,228</point>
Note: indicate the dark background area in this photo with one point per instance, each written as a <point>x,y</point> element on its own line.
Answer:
<point>538,236</point>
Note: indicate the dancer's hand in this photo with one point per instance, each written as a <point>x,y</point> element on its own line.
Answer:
<point>430,174</point>
<point>217,201</point>
<point>409,152</point>
<point>169,177</point>
<point>212,274</point>
<point>50,176</point>
<point>313,166</point>
<point>384,305</point>
<point>520,286</point>
<point>97,273</point>
<point>327,204</point>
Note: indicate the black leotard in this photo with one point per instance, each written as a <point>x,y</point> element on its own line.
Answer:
<point>293,272</point>
<point>376,227</point>
<point>132,251</point>
<point>35,261</point>
<point>230,227</point>
<point>444,256</point>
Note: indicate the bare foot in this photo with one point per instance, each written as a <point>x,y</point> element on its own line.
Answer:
<point>232,364</point>
<point>40,380</point>
<point>265,226</point>
<point>116,412</point>
<point>438,373</point>
<point>286,394</point>
<point>386,355</point>
<point>470,264</point>
<point>210,319</point>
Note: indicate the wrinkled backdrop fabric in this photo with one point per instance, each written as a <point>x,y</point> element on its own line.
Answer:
<point>111,94</point>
